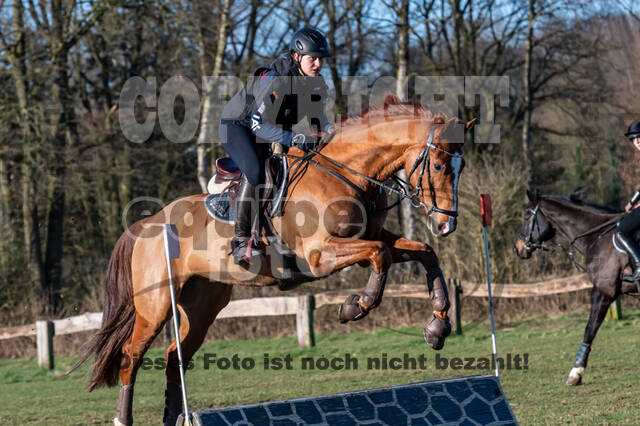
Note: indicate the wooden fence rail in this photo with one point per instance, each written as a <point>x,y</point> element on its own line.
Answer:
<point>303,307</point>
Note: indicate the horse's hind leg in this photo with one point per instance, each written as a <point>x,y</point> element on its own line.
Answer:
<point>200,302</point>
<point>600,303</point>
<point>144,331</point>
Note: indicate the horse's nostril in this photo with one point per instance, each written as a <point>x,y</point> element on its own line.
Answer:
<point>444,227</point>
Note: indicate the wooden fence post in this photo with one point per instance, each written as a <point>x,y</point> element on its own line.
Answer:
<point>167,333</point>
<point>615,311</point>
<point>455,289</point>
<point>304,321</point>
<point>44,342</point>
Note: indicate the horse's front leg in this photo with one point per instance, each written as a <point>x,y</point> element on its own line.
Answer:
<point>438,326</point>
<point>334,255</point>
<point>600,303</point>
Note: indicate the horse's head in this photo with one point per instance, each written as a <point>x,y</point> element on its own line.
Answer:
<point>536,229</point>
<point>433,167</point>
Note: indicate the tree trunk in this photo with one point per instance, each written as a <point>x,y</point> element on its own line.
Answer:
<point>329,8</point>
<point>206,135</point>
<point>405,211</point>
<point>5,226</point>
<point>528,102</point>
<point>403,49</point>
<point>31,225</point>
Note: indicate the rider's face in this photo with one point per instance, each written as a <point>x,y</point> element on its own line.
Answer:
<point>310,65</point>
<point>636,142</point>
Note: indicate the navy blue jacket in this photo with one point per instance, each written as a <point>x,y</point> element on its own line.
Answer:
<point>276,99</point>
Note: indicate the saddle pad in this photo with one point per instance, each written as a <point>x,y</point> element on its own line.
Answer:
<point>217,205</point>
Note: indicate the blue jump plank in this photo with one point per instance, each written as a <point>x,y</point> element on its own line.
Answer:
<point>474,400</point>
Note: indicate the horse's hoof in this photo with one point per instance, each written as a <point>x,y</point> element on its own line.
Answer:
<point>573,381</point>
<point>350,310</point>
<point>437,326</point>
<point>117,422</point>
<point>575,377</point>
<point>436,343</point>
<point>436,330</point>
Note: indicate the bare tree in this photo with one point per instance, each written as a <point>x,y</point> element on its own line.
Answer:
<point>204,13</point>
<point>61,26</point>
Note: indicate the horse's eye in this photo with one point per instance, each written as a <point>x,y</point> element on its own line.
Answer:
<point>437,167</point>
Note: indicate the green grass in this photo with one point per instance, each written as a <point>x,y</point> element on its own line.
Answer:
<point>537,394</point>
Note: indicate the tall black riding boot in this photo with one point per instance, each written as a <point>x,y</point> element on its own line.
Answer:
<point>244,248</point>
<point>630,246</point>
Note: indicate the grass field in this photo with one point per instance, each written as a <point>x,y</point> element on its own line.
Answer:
<point>537,394</point>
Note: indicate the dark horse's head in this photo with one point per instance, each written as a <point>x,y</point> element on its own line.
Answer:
<point>536,229</point>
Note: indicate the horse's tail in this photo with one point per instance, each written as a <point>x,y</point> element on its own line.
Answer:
<point>117,319</point>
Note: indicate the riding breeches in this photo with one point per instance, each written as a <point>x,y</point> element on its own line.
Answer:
<point>240,144</point>
<point>630,223</point>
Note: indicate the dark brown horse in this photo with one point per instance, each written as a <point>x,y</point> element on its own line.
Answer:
<point>327,225</point>
<point>589,229</point>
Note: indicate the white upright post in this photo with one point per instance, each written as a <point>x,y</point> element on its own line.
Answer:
<point>485,203</point>
<point>172,251</point>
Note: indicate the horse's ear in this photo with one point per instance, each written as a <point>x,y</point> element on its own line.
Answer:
<point>392,100</point>
<point>438,120</point>
<point>578,194</point>
<point>469,124</point>
<point>533,195</point>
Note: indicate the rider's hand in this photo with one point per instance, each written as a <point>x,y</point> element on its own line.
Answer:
<point>628,207</point>
<point>329,128</point>
<point>305,143</point>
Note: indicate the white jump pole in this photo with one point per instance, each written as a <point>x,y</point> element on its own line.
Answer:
<point>172,251</point>
<point>485,205</point>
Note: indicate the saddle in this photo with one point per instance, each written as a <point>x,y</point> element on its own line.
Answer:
<point>223,188</point>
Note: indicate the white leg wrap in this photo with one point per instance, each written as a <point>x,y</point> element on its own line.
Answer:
<point>576,372</point>
<point>116,422</point>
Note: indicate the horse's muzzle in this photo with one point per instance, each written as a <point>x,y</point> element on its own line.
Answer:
<point>521,250</point>
<point>443,228</point>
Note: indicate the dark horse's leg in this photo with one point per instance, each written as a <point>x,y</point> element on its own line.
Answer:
<point>200,302</point>
<point>600,303</point>
<point>403,250</point>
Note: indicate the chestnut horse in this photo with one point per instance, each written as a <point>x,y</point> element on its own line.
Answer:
<point>589,229</point>
<point>328,224</point>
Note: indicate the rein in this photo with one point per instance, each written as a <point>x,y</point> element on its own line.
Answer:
<point>606,226</point>
<point>412,194</point>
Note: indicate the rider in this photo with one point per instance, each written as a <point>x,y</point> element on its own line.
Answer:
<point>265,111</point>
<point>631,222</point>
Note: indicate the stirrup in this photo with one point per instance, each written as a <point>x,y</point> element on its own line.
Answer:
<point>245,250</point>
<point>637,292</point>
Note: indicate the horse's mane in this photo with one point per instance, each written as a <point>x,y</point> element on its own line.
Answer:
<point>575,202</point>
<point>393,107</point>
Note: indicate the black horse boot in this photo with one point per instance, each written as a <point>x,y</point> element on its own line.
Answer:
<point>244,247</point>
<point>630,246</point>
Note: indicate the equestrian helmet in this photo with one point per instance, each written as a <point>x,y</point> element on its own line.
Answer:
<point>634,130</point>
<point>309,41</point>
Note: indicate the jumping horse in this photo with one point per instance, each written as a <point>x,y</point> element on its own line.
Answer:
<point>589,229</point>
<point>328,224</point>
